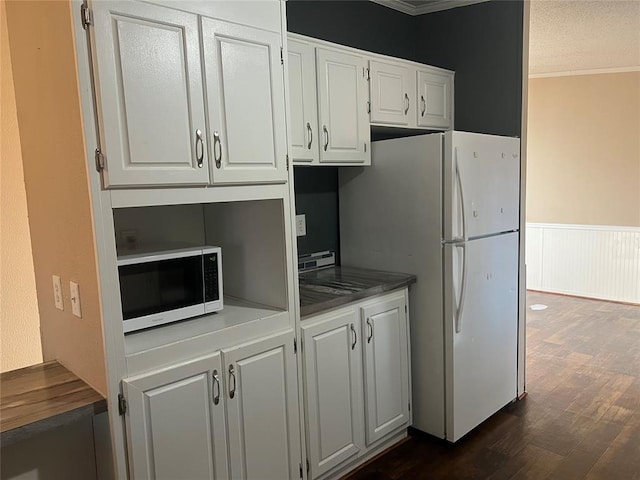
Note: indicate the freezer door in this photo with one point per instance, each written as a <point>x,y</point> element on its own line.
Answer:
<point>481,185</point>
<point>481,330</point>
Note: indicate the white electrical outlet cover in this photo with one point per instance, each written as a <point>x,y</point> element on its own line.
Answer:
<point>301,225</point>
<point>75,299</point>
<point>57,293</point>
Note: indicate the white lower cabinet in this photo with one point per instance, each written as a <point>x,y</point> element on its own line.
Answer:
<point>356,371</point>
<point>176,422</point>
<point>386,367</point>
<point>227,415</point>
<point>333,381</point>
<point>262,409</point>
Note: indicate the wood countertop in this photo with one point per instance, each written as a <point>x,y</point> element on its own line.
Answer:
<point>332,287</point>
<point>42,397</point>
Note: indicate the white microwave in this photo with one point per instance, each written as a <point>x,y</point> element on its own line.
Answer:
<point>160,286</point>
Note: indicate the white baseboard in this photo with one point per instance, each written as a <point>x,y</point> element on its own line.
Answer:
<point>586,260</point>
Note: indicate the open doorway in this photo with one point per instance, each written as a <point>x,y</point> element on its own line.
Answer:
<point>583,149</point>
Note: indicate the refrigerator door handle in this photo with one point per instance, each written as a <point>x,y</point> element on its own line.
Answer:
<point>461,195</point>
<point>460,307</point>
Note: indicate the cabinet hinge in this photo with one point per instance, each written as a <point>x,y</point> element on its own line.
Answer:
<point>308,467</point>
<point>287,162</point>
<point>86,15</point>
<point>122,404</point>
<point>295,346</point>
<point>365,147</point>
<point>300,464</point>
<point>281,56</point>
<point>368,107</point>
<point>406,311</point>
<point>365,73</point>
<point>99,159</point>
<point>409,406</point>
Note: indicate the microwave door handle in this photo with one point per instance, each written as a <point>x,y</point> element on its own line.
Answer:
<point>204,280</point>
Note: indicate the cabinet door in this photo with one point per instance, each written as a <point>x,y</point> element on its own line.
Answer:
<point>303,102</point>
<point>392,92</point>
<point>245,103</point>
<point>175,422</point>
<point>434,99</point>
<point>149,92</point>
<point>386,366</point>
<point>333,389</point>
<point>342,98</point>
<point>262,409</point>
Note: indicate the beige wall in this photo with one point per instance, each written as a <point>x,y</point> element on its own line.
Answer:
<point>56,178</point>
<point>19,321</point>
<point>583,158</point>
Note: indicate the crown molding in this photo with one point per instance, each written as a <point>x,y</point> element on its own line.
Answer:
<point>398,5</point>
<point>595,71</point>
<point>435,6</point>
<point>439,5</point>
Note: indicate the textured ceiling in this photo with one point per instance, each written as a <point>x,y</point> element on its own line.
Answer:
<point>574,35</point>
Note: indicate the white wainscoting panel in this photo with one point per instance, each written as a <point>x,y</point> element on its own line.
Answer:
<point>586,260</point>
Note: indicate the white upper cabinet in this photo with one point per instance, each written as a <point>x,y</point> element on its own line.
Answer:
<point>435,99</point>
<point>393,94</point>
<point>303,105</point>
<point>245,103</point>
<point>149,92</point>
<point>342,104</point>
<point>166,119</point>
<point>354,90</point>
<point>176,422</point>
<point>405,94</point>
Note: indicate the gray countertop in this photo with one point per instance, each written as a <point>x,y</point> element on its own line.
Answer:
<point>332,287</point>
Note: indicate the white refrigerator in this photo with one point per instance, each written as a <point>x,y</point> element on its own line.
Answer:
<point>445,207</point>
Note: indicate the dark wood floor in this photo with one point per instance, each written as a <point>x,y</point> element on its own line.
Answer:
<point>580,420</point>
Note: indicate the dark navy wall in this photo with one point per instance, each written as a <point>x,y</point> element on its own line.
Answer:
<point>317,199</point>
<point>358,24</point>
<point>483,44</point>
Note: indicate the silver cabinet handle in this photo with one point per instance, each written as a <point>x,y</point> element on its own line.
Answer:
<point>406,101</point>
<point>370,326</point>
<point>310,131</point>
<point>326,137</point>
<point>215,388</point>
<point>424,105</point>
<point>217,149</point>
<point>232,375</point>
<point>199,147</point>
<point>354,335</point>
